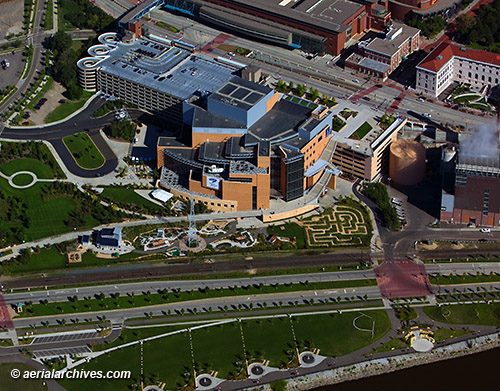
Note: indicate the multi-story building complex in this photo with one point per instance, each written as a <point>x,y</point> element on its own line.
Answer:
<point>380,56</point>
<point>315,26</point>
<point>476,196</point>
<point>155,75</point>
<point>362,144</point>
<point>448,63</point>
<point>248,145</point>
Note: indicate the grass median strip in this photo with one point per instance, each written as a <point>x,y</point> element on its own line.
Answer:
<point>84,151</point>
<point>442,279</point>
<point>102,303</point>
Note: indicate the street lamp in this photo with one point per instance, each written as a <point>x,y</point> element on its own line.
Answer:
<point>389,179</point>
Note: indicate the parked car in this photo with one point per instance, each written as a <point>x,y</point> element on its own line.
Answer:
<point>485,230</point>
<point>426,115</point>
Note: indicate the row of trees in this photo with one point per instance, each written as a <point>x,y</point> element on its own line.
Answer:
<point>484,29</point>
<point>85,15</point>
<point>122,129</point>
<point>64,69</point>
<point>377,192</point>
<point>429,27</point>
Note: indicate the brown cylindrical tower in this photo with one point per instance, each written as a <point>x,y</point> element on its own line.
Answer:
<point>407,162</point>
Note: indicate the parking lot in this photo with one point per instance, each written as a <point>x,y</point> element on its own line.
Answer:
<point>65,337</point>
<point>11,75</point>
<point>61,352</point>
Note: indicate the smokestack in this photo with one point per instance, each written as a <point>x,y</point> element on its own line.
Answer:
<point>498,114</point>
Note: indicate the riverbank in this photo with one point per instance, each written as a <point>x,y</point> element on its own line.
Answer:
<point>391,364</point>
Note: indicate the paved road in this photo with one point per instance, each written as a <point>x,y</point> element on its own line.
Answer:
<point>36,37</point>
<point>82,122</point>
<point>153,286</point>
<point>216,304</point>
<point>138,288</point>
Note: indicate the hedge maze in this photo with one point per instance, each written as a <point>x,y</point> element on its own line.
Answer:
<point>340,226</point>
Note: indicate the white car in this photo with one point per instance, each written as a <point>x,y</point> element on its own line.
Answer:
<point>426,115</point>
<point>485,230</point>
<point>420,100</point>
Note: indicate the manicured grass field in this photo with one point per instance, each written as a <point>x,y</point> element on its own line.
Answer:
<point>46,217</point>
<point>289,230</point>
<point>22,179</point>
<point>220,348</point>
<point>8,383</point>
<point>394,344</point>
<point>65,109</point>
<point>445,333</point>
<point>41,170</point>
<point>487,314</point>
<point>128,196</point>
<point>84,151</point>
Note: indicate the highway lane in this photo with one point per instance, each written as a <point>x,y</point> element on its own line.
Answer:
<point>463,268</point>
<point>139,288</point>
<point>213,304</point>
<point>244,302</point>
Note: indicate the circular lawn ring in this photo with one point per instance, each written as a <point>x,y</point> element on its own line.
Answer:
<point>23,179</point>
<point>205,381</point>
<point>308,358</point>
<point>257,370</point>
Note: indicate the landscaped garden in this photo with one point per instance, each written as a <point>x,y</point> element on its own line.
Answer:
<point>84,151</point>
<point>337,124</point>
<point>220,348</point>
<point>348,224</point>
<point>361,132</point>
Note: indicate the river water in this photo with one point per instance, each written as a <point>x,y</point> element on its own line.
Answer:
<point>478,371</point>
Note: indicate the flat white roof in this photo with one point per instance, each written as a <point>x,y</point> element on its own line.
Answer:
<point>161,195</point>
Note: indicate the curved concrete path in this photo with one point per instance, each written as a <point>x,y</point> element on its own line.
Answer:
<point>34,179</point>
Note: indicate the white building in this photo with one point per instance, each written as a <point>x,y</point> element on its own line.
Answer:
<point>448,63</point>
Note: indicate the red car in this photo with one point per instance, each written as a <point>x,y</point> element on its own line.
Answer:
<point>26,123</point>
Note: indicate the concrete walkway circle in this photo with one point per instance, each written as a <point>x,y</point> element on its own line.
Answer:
<point>34,179</point>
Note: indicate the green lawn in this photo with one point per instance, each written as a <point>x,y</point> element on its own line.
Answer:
<point>267,339</point>
<point>361,132</point>
<point>445,333</point>
<point>335,334</point>
<point>22,179</point>
<point>41,170</point>
<point>220,348</point>
<point>394,344</point>
<point>8,383</point>
<point>290,230</point>
<point>128,196</point>
<point>466,98</point>
<point>46,217</point>
<point>84,151</point>
<point>487,314</point>
<point>52,259</point>
<point>65,109</point>
<point>154,298</point>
